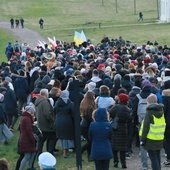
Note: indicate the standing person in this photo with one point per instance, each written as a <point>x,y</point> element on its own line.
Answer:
<point>104,100</point>
<point>100,134</point>
<point>152,131</point>
<point>17,23</point>
<point>22,22</point>
<point>166,103</point>
<point>10,102</point>
<point>27,141</point>
<point>9,51</point>
<point>41,22</point>
<point>5,133</point>
<point>139,110</point>
<point>22,90</point>
<point>120,136</point>
<point>12,23</point>
<point>87,106</point>
<point>140,16</point>
<point>64,122</point>
<point>45,120</point>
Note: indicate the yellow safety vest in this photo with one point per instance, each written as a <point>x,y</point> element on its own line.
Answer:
<point>156,130</point>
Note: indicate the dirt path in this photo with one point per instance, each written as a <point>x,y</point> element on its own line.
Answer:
<point>23,35</point>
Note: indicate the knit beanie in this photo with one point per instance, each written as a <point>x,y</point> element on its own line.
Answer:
<point>123,97</point>
<point>30,109</point>
<point>91,86</point>
<point>152,99</point>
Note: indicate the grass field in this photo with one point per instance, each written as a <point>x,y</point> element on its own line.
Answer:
<point>62,18</point>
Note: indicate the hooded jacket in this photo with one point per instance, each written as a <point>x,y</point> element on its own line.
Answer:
<point>100,133</point>
<point>156,110</point>
<point>166,102</point>
<point>64,122</point>
<point>44,114</point>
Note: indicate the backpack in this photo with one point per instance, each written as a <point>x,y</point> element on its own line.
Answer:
<point>159,97</point>
<point>142,105</point>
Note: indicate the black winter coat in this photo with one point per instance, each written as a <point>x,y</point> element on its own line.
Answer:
<point>166,102</point>
<point>21,88</point>
<point>64,122</point>
<point>120,136</point>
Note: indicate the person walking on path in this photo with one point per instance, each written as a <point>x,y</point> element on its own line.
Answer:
<point>41,22</point>
<point>140,17</point>
<point>22,22</point>
<point>9,51</point>
<point>12,23</point>
<point>17,23</point>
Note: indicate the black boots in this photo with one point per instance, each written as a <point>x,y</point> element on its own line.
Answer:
<point>124,166</point>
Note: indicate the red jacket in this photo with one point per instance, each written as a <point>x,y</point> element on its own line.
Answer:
<point>27,142</point>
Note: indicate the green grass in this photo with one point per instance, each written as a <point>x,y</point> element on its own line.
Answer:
<point>62,18</point>
<point>10,153</point>
<point>5,37</point>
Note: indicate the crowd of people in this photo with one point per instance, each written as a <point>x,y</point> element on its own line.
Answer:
<point>116,79</point>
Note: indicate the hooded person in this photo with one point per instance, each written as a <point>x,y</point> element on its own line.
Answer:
<point>91,86</point>
<point>152,130</point>
<point>64,122</point>
<point>166,103</point>
<point>140,104</point>
<point>100,140</point>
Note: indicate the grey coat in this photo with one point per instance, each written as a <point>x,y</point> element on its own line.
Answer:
<point>44,114</point>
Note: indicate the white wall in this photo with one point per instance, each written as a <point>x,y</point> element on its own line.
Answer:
<point>165,10</point>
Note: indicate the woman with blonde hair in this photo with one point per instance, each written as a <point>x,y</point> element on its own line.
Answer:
<point>104,100</point>
<point>87,106</point>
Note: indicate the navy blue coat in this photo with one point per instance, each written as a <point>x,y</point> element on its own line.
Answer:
<point>64,122</point>
<point>100,133</point>
<point>21,88</point>
<point>2,113</point>
<point>10,101</point>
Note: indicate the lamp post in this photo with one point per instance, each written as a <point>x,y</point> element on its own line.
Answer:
<point>116,6</point>
<point>77,125</point>
<point>135,7</point>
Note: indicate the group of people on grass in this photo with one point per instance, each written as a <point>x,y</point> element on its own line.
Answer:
<point>118,81</point>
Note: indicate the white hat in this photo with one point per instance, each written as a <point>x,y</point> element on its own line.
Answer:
<point>46,160</point>
<point>91,86</point>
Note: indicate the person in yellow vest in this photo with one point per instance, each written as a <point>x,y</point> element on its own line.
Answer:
<point>152,131</point>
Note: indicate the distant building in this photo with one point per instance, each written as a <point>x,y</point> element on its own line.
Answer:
<point>165,10</point>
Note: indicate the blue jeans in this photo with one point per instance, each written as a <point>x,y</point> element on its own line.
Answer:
<point>155,159</point>
<point>144,158</point>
